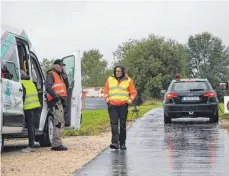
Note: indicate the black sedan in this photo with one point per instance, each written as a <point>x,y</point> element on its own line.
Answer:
<point>190,98</point>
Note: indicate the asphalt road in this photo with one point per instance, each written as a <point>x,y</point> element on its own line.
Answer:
<point>187,147</point>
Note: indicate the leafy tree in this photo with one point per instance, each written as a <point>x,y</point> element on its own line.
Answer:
<point>46,64</point>
<point>208,58</point>
<point>152,62</point>
<point>94,69</point>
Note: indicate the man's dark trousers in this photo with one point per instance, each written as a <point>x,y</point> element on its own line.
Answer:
<point>29,118</point>
<point>118,113</point>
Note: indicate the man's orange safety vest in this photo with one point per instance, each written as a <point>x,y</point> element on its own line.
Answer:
<point>58,87</point>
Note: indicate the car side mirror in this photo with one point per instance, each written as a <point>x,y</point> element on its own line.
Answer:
<point>223,86</point>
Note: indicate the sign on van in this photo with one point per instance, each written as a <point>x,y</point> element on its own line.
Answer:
<point>226,104</point>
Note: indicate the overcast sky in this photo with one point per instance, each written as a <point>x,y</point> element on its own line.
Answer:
<point>56,28</point>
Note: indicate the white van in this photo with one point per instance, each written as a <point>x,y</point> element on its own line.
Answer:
<point>16,54</point>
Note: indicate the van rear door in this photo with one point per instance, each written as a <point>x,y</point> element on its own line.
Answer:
<point>73,111</point>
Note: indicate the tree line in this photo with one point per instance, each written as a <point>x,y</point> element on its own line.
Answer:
<point>152,62</point>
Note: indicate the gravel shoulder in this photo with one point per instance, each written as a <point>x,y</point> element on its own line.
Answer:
<point>44,162</point>
<point>225,123</point>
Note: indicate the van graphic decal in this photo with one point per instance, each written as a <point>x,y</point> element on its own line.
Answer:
<point>7,93</point>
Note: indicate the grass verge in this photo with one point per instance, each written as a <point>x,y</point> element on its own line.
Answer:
<point>97,121</point>
<point>222,114</point>
<point>224,117</point>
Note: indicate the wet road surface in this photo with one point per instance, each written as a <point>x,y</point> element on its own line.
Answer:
<point>187,147</point>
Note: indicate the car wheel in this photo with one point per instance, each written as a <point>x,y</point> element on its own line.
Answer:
<point>215,118</point>
<point>167,119</point>
<point>46,138</point>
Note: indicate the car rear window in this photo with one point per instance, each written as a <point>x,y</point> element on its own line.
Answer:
<point>190,85</point>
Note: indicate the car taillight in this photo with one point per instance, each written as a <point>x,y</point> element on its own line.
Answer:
<point>171,95</point>
<point>209,94</point>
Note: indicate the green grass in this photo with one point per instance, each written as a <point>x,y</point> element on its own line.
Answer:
<point>222,114</point>
<point>97,121</point>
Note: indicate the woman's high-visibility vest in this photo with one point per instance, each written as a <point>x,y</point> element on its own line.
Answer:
<point>118,92</point>
<point>31,98</point>
<point>58,86</point>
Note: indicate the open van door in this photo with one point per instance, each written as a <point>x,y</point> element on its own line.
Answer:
<point>73,111</point>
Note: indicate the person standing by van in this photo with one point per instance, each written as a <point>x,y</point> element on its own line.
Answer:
<point>31,102</point>
<point>119,92</point>
<point>56,87</point>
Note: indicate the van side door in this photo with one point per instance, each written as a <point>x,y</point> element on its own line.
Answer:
<point>12,91</point>
<point>73,112</point>
<point>39,80</point>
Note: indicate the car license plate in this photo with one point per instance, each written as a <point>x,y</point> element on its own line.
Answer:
<point>191,98</point>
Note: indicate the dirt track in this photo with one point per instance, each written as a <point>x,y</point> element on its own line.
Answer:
<point>45,162</point>
<point>225,123</point>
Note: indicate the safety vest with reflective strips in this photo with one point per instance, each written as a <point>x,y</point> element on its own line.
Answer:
<point>31,98</point>
<point>118,92</point>
<point>58,86</point>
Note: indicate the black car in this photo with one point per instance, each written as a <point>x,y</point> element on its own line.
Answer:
<point>190,98</point>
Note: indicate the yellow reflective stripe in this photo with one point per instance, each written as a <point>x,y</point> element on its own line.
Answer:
<point>31,102</point>
<point>31,98</point>
<point>118,94</point>
<point>120,88</point>
<point>31,95</point>
<point>32,105</point>
<point>118,98</point>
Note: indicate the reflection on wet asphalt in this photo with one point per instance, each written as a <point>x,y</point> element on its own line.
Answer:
<point>187,147</point>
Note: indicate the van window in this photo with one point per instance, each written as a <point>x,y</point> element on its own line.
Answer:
<point>23,57</point>
<point>36,75</point>
<point>69,68</point>
<point>10,67</point>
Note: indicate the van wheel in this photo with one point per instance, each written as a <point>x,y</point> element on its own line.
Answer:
<point>2,143</point>
<point>46,138</point>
